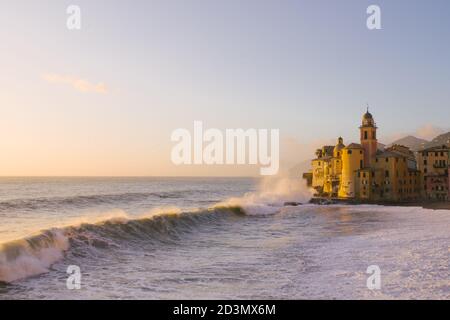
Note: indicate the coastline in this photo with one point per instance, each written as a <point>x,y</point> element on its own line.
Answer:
<point>434,205</point>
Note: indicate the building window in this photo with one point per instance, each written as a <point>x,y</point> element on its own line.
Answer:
<point>349,152</point>
<point>387,159</point>
<point>425,162</point>
<point>360,164</point>
<point>386,174</point>
<point>365,135</point>
<point>374,134</point>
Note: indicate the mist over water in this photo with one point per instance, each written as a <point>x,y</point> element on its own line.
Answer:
<point>162,238</point>
<point>270,196</point>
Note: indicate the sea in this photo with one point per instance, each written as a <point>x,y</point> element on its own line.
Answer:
<point>212,238</point>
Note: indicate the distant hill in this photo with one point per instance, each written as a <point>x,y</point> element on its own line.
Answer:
<point>411,142</point>
<point>442,139</point>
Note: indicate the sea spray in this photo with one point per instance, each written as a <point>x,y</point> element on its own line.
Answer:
<point>32,255</point>
<point>272,193</point>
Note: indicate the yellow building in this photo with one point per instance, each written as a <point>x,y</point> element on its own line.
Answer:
<point>364,171</point>
<point>393,177</point>
<point>326,169</point>
<point>352,161</point>
<point>333,174</point>
<point>321,167</point>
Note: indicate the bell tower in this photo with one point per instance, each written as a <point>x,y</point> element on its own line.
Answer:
<point>368,132</point>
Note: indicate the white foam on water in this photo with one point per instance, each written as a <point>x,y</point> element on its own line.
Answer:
<point>34,254</point>
<point>271,196</point>
<point>31,256</point>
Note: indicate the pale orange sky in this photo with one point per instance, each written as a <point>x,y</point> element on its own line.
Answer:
<point>104,100</point>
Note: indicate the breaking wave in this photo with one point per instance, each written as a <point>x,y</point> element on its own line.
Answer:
<point>32,255</point>
<point>35,254</point>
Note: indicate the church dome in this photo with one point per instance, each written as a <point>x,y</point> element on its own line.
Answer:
<point>339,146</point>
<point>367,119</point>
<point>367,115</point>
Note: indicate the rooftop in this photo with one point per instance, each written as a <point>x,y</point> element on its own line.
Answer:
<point>353,146</point>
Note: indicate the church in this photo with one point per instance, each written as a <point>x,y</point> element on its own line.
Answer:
<point>365,170</point>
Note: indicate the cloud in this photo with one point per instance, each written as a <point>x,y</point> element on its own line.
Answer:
<point>78,84</point>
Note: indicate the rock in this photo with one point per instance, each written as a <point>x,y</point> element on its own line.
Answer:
<point>292,203</point>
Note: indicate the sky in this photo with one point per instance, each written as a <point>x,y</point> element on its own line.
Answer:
<point>104,100</point>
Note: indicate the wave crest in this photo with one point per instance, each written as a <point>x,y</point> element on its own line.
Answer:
<point>32,255</point>
<point>35,254</point>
